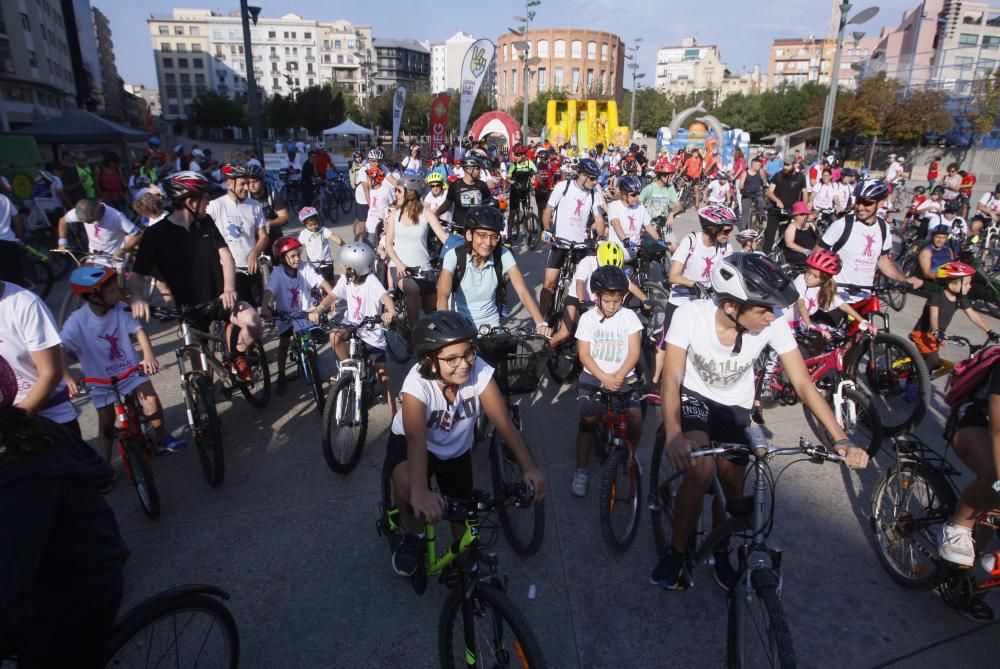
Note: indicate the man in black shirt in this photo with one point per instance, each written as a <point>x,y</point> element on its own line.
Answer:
<point>787,187</point>
<point>752,191</point>
<point>274,203</point>
<point>470,191</point>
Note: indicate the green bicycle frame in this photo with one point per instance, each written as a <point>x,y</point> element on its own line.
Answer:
<point>433,562</point>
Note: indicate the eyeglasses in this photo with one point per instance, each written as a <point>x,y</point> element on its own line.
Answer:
<point>481,236</point>
<point>453,361</point>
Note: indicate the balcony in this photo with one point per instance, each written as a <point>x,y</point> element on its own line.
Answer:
<point>274,56</point>
<point>310,59</point>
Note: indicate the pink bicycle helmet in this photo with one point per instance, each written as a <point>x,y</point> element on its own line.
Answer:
<point>716,214</point>
<point>825,261</point>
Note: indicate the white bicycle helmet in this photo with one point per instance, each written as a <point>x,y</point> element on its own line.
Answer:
<point>359,257</point>
<point>753,280</point>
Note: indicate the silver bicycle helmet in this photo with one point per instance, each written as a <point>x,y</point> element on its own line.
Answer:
<point>359,257</point>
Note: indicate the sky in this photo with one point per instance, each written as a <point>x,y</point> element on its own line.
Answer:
<point>742,29</point>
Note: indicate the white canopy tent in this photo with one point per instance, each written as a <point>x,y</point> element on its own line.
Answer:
<point>348,127</point>
<point>341,141</point>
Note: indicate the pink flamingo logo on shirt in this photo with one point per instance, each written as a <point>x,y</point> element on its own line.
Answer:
<point>811,304</point>
<point>870,239</point>
<point>357,308</point>
<point>579,208</point>
<point>708,268</point>
<point>296,298</point>
<point>631,223</point>
<point>115,351</point>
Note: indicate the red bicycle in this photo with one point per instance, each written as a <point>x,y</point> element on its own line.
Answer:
<point>135,441</point>
<point>825,361</point>
<point>621,484</point>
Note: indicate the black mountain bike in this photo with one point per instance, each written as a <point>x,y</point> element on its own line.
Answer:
<point>520,217</point>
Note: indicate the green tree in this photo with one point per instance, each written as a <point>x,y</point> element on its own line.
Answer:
<point>984,106</point>
<point>317,108</point>
<point>215,110</point>
<point>279,113</point>
<point>920,113</point>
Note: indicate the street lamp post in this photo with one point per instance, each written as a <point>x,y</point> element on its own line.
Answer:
<point>634,66</point>
<point>831,98</point>
<point>523,47</point>
<point>246,14</point>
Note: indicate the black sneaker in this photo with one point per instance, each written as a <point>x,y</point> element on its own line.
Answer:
<point>280,385</point>
<point>407,555</point>
<point>671,572</point>
<point>723,571</point>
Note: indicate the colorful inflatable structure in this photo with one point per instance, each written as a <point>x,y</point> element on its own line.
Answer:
<point>704,133</point>
<point>584,123</point>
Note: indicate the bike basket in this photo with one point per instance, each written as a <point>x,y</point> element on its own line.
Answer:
<point>519,361</point>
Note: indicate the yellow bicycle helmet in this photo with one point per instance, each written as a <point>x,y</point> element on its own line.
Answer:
<point>434,178</point>
<point>609,253</point>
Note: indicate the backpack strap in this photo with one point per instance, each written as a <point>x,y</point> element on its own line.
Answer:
<point>693,237</point>
<point>846,234</point>
<point>462,259</point>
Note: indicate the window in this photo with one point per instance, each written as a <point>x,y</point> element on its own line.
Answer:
<point>181,47</point>
<point>288,50</point>
<point>195,48</point>
<point>592,50</point>
<point>193,31</point>
<point>993,20</point>
<point>169,77</point>
<point>234,35</point>
<point>178,30</point>
<point>590,80</point>
<point>340,60</point>
<point>560,48</point>
<point>963,62</point>
<point>172,91</point>
<point>557,79</point>
<point>307,35</point>
<point>326,58</point>
<point>286,34</point>
<point>604,82</point>
<point>174,110</point>
<point>182,62</point>
<point>505,52</point>
<point>25,23</point>
<point>165,47</point>
<point>575,80</point>
<point>271,34</point>
<point>294,36</point>
<point>604,52</point>
<point>326,44</point>
<point>276,83</point>
<point>985,66</point>
<point>197,63</point>
<point>337,44</point>
<point>217,34</point>
<point>168,62</point>
<point>310,81</point>
<point>966,39</point>
<point>350,44</point>
<point>973,19</point>
<point>164,30</point>
<point>542,48</point>
<point>185,78</point>
<point>576,49</point>
<point>543,79</point>
<point>309,68</point>
<point>513,81</point>
<point>991,42</point>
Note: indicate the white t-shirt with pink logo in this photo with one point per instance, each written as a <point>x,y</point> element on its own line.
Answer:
<point>632,220</point>
<point>292,294</point>
<point>575,209</point>
<point>811,297</point>
<point>104,347</point>
<point>860,254</point>
<point>26,326</point>
<point>363,301</point>
<point>381,198</point>
<point>108,234</point>
<point>698,260</point>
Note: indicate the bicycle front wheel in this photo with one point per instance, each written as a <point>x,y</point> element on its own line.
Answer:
<point>312,374</point>
<point>621,495</point>
<point>910,504</point>
<point>345,426</point>
<point>256,389</point>
<point>758,633</point>
<point>207,430</point>
<point>346,200</point>
<point>523,528</point>
<point>140,472</point>
<point>182,629</point>
<point>532,231</point>
<point>664,482</point>
<point>859,419</point>
<point>503,637</point>
<point>894,375</point>
<point>397,341</point>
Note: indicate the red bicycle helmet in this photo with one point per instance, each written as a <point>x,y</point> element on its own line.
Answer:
<point>663,165</point>
<point>88,279</point>
<point>954,270</point>
<point>285,244</point>
<point>825,261</point>
<point>187,184</point>
<point>520,150</point>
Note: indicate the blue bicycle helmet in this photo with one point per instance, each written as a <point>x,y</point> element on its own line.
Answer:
<point>588,167</point>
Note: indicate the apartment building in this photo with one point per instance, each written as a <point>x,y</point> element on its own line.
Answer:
<point>446,62</point>
<point>797,61</point>
<point>691,68</point>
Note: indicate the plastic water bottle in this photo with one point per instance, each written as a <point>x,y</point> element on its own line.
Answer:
<point>990,562</point>
<point>532,591</point>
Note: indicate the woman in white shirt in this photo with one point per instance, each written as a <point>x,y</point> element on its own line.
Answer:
<point>629,217</point>
<point>825,195</point>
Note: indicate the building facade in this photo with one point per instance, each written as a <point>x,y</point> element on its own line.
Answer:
<point>446,62</point>
<point>151,97</point>
<point>400,63</point>
<point>798,61</point>
<point>112,90</point>
<point>583,63</point>
<point>691,68</point>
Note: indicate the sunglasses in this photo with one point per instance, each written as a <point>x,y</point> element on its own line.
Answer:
<point>868,203</point>
<point>726,230</point>
<point>437,185</point>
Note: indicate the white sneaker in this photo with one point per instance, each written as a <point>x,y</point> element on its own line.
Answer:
<point>580,479</point>
<point>956,545</point>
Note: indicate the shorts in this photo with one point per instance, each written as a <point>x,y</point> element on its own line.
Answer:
<point>102,395</point>
<point>558,255</point>
<point>591,409</point>
<point>360,211</point>
<point>926,342</point>
<point>426,286</point>
<point>721,422</point>
<point>973,414</point>
<point>247,287</point>
<point>454,476</point>
<point>374,354</point>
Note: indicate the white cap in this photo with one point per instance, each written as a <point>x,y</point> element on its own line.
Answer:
<point>901,159</point>
<point>197,153</point>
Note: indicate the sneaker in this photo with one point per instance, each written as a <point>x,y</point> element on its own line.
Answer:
<point>670,572</point>
<point>406,558</point>
<point>653,395</point>
<point>171,445</point>
<point>723,570</point>
<point>956,545</point>
<point>242,367</point>
<point>580,479</point>
<point>280,385</point>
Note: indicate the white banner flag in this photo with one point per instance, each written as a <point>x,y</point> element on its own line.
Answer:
<point>398,102</point>
<point>474,67</point>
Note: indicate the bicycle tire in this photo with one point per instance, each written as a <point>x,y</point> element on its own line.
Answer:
<point>880,380</point>
<point>868,422</point>
<point>207,431</point>
<point>40,276</point>
<point>563,364</point>
<point>146,614</point>
<point>664,482</point>
<point>514,225</point>
<point>621,462</point>
<point>525,647</point>
<point>504,469</point>
<point>911,528</point>
<point>345,199</point>
<point>532,230</point>
<point>337,459</point>
<point>140,473</point>
<point>257,391</point>
<point>779,651</point>
<point>312,374</point>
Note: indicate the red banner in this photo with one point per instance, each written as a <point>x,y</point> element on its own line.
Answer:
<point>439,120</point>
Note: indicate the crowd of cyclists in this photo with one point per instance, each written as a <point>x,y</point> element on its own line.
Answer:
<point>434,231</point>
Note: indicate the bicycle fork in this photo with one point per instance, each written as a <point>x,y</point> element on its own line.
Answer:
<point>349,367</point>
<point>845,412</point>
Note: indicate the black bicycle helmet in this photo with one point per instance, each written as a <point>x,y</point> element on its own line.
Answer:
<point>871,189</point>
<point>235,171</point>
<point>255,171</point>
<point>937,190</point>
<point>608,278</point>
<point>752,279</point>
<point>588,167</point>
<point>483,217</point>
<point>181,186</point>
<point>953,206</point>
<point>630,185</point>
<point>439,329</point>
<point>471,162</point>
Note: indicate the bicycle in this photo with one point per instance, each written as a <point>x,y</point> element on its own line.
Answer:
<point>38,272</point>
<point>134,439</point>
<point>340,186</point>
<point>520,214</point>
<point>825,361</point>
<point>912,500</point>
<point>575,251</point>
<point>345,415</point>
<point>518,358</point>
<point>621,484</point>
<point>479,625</point>
<point>757,632</point>
<point>397,336</point>
<point>303,351</point>
<point>71,301</point>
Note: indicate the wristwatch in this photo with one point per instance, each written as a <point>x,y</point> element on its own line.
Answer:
<point>996,486</point>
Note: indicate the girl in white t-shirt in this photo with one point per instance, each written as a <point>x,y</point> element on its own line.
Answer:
<point>315,240</point>
<point>818,290</point>
<point>289,289</point>
<point>98,333</point>
<point>628,216</point>
<point>608,342</point>
<point>442,396</point>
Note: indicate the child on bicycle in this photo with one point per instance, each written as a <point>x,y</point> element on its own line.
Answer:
<point>98,334</point>
<point>315,240</point>
<point>628,217</point>
<point>608,343</point>
<point>749,241</point>
<point>442,396</point>
<point>289,288</point>
<point>955,279</point>
<point>818,291</point>
<point>364,296</point>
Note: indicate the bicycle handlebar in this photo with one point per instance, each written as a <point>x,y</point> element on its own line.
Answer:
<point>766,451</point>
<point>187,314</point>
<point>515,492</point>
<point>367,323</point>
<point>114,380</point>
<point>600,394</point>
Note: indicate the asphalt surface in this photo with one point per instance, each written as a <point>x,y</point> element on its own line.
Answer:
<point>295,546</point>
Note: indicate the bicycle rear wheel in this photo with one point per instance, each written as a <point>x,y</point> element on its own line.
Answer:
<point>183,627</point>
<point>257,389</point>
<point>40,276</point>
<point>664,482</point>
<point>910,504</point>
<point>621,500</point>
<point>532,230</point>
<point>345,198</point>
<point>207,430</point>
<point>895,378</point>
<point>860,421</point>
<point>503,637</point>
<point>523,528</point>
<point>345,426</point>
<point>758,633</point>
<point>140,473</point>
<point>313,378</point>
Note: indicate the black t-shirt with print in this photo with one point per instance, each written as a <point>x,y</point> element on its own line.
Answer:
<point>464,197</point>
<point>946,311</point>
<point>788,187</point>
<point>187,260</point>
